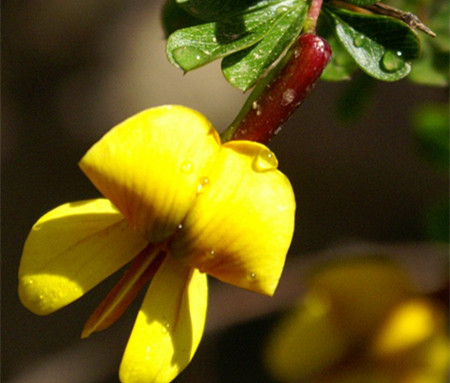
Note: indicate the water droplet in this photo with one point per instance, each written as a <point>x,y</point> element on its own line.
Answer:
<point>251,277</point>
<point>288,97</point>
<point>358,41</point>
<point>281,10</point>
<point>203,182</point>
<point>257,107</point>
<point>187,167</point>
<point>392,61</point>
<point>265,160</point>
<point>211,254</point>
<point>165,328</point>
<point>189,57</point>
<point>180,226</point>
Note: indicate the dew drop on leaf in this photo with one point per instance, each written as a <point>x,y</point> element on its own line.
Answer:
<point>358,41</point>
<point>392,61</point>
<point>281,10</point>
<point>189,57</point>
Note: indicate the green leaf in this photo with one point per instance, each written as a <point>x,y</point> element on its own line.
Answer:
<point>193,47</point>
<point>380,45</point>
<point>361,3</point>
<point>244,68</point>
<point>174,17</point>
<point>213,10</point>
<point>341,65</point>
<point>431,125</point>
<point>432,67</point>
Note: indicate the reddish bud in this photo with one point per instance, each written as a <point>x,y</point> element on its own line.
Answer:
<point>286,91</point>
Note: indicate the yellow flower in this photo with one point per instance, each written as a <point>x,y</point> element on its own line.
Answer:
<point>361,320</point>
<point>178,204</point>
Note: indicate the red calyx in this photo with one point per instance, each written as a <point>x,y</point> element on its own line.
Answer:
<point>286,91</point>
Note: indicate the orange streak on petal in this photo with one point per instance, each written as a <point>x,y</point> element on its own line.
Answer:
<point>141,270</point>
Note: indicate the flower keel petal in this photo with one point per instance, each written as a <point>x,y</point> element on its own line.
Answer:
<point>70,250</point>
<point>168,327</point>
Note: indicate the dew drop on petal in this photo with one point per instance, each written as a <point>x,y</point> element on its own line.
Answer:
<point>211,254</point>
<point>251,277</point>
<point>203,182</point>
<point>265,161</point>
<point>392,61</point>
<point>187,167</point>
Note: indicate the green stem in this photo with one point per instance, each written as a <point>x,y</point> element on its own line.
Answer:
<point>312,17</point>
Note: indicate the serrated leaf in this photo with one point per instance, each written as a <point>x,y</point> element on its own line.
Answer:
<point>244,68</point>
<point>193,47</point>
<point>381,46</point>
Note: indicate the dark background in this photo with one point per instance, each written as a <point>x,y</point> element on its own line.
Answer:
<point>72,70</point>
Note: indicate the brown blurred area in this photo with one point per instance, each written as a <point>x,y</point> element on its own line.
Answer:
<point>72,70</point>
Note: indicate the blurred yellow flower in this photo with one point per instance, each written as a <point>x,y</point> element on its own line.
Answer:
<point>178,204</point>
<point>361,320</point>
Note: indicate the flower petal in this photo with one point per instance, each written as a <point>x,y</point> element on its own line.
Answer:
<point>362,291</point>
<point>149,166</point>
<point>241,225</point>
<point>306,342</point>
<point>70,250</point>
<point>168,327</point>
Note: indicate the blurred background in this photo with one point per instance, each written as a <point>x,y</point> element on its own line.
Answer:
<point>72,70</point>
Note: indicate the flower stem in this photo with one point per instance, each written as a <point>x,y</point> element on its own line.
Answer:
<point>312,16</point>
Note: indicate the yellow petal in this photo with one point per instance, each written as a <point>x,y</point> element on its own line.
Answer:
<point>306,342</point>
<point>70,250</point>
<point>149,166</point>
<point>362,292</point>
<point>408,326</point>
<point>241,225</point>
<point>168,327</point>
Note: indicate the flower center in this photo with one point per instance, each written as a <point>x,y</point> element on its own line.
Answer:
<point>141,270</point>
